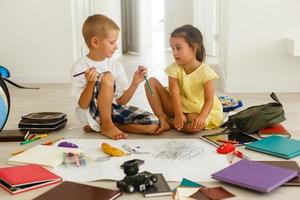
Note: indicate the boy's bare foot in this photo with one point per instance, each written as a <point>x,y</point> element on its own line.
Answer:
<point>112,132</point>
<point>88,129</point>
<point>164,126</point>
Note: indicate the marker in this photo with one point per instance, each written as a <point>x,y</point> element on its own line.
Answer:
<point>81,73</point>
<point>31,136</point>
<point>228,141</point>
<point>34,139</point>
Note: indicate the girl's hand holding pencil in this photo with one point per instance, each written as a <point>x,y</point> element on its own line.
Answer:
<point>139,75</point>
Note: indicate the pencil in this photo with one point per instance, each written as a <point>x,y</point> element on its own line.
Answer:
<point>50,142</point>
<point>228,141</point>
<point>34,139</point>
<point>17,152</point>
<point>148,85</point>
<point>80,73</point>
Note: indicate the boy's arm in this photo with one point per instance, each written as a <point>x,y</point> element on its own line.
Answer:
<point>86,96</point>
<point>127,95</point>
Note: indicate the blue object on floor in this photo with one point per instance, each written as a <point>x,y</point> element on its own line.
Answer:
<point>4,97</point>
<point>230,104</point>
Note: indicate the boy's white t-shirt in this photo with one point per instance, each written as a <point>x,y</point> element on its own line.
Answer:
<point>79,83</point>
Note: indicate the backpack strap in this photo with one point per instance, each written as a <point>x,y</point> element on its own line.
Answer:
<point>275,98</point>
<point>17,85</point>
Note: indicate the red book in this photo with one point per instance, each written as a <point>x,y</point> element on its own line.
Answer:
<point>276,129</point>
<point>24,178</point>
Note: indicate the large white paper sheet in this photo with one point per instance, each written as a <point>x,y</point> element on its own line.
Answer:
<point>174,158</point>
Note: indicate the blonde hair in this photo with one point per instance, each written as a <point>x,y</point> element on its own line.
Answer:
<point>97,25</point>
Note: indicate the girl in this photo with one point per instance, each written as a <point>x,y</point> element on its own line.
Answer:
<point>189,104</point>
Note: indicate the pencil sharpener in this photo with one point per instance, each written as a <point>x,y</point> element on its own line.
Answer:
<point>134,181</point>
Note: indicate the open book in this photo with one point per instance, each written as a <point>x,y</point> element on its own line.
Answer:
<point>47,156</point>
<point>276,129</point>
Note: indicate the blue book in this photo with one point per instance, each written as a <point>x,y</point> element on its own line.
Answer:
<point>277,146</point>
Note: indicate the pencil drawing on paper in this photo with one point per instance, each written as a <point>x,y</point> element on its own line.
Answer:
<point>178,150</point>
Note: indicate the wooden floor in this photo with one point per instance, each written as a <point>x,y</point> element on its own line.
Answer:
<point>57,97</point>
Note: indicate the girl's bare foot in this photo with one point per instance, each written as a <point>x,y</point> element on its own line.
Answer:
<point>112,132</point>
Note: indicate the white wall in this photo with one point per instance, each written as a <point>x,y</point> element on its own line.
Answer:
<point>252,47</point>
<point>36,40</point>
<point>112,9</point>
<point>177,13</point>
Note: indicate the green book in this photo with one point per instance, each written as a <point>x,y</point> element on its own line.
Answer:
<point>276,146</point>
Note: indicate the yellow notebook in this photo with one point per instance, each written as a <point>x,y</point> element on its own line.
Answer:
<point>47,156</point>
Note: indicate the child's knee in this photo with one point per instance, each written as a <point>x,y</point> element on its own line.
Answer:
<point>152,81</point>
<point>107,79</point>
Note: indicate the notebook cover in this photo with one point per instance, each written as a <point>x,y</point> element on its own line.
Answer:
<point>185,192</point>
<point>277,146</point>
<point>254,175</point>
<point>212,193</point>
<point>160,188</point>
<point>188,183</point>
<point>24,178</point>
<point>76,191</point>
<point>11,135</point>
<point>276,129</point>
<point>45,155</point>
<point>292,165</point>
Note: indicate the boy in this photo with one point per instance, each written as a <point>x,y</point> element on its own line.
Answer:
<point>102,91</point>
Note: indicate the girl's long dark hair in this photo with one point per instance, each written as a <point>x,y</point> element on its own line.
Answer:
<point>193,36</point>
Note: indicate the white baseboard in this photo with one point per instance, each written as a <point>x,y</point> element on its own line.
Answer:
<point>238,87</point>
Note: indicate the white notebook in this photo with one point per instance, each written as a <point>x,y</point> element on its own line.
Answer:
<point>47,156</point>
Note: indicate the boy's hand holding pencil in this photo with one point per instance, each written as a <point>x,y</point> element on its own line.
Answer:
<point>91,75</point>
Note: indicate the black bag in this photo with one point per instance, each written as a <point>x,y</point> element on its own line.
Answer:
<point>254,118</point>
<point>43,122</point>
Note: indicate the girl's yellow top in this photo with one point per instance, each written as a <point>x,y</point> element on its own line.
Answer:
<point>192,92</point>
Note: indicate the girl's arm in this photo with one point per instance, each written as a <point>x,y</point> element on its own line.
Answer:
<point>176,103</point>
<point>199,122</point>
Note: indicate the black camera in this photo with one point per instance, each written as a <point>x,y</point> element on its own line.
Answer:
<point>134,181</point>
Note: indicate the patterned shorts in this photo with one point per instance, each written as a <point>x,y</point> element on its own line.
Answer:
<point>122,114</point>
